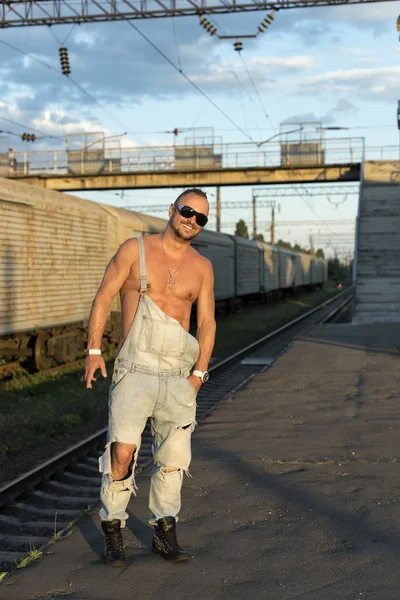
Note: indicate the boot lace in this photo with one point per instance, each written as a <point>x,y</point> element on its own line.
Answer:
<point>169,538</point>
<point>114,543</point>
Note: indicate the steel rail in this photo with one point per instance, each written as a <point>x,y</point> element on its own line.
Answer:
<point>24,483</point>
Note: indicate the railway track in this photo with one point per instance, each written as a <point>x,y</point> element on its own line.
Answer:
<point>41,503</point>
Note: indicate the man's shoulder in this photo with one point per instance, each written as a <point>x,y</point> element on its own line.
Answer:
<point>128,251</point>
<point>129,244</point>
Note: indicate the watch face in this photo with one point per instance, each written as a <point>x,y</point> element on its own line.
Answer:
<point>206,377</point>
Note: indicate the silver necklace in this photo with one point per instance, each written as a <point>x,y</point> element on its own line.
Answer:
<point>171,280</point>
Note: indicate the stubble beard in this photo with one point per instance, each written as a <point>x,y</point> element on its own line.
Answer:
<point>187,238</point>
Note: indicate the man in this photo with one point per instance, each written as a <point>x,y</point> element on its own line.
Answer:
<point>158,277</point>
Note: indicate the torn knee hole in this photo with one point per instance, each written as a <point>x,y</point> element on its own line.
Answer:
<point>123,452</point>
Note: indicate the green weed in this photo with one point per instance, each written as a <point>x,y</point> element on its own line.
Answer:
<point>69,421</point>
<point>32,555</point>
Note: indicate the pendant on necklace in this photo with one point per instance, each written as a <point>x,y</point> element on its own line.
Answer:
<point>170,281</point>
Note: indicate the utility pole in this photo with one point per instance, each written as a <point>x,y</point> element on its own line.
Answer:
<point>273,225</point>
<point>218,208</point>
<point>312,252</point>
<point>398,113</point>
<point>262,193</point>
<point>254,216</point>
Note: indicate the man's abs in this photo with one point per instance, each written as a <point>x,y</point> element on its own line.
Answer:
<point>173,307</point>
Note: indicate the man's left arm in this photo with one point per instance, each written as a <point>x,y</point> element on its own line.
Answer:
<point>206,325</point>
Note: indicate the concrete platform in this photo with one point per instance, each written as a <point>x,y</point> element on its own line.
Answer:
<point>295,491</point>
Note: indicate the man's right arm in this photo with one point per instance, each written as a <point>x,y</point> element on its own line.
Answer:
<point>116,274</point>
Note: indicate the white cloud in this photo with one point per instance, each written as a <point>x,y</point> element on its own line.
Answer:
<point>374,81</point>
<point>290,63</point>
<point>367,60</point>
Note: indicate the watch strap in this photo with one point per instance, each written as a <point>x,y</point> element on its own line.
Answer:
<point>198,373</point>
<point>90,351</point>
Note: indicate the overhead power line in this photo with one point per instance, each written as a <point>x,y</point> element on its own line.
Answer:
<point>308,224</point>
<point>69,78</point>
<point>17,13</point>
<point>24,126</point>
<point>190,81</point>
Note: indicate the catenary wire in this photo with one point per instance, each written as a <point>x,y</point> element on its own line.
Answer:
<point>266,115</point>
<point>48,66</point>
<point>190,81</point>
<point>28,127</point>
<point>238,81</point>
<point>263,109</point>
<point>176,43</point>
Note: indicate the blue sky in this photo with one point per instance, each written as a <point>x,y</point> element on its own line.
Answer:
<point>338,65</point>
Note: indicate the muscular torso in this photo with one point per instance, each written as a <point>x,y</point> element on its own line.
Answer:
<point>176,301</point>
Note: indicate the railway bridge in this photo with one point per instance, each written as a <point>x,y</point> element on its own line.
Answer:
<point>99,167</point>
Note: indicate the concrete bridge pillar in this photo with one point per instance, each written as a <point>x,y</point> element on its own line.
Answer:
<point>378,244</point>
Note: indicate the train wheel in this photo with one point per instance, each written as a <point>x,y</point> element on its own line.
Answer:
<point>42,360</point>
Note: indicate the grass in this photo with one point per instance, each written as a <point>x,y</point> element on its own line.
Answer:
<point>3,574</point>
<point>32,555</point>
<point>248,325</point>
<point>68,529</point>
<point>43,413</point>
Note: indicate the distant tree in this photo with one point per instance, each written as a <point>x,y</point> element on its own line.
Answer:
<point>320,253</point>
<point>259,237</point>
<point>241,229</point>
<point>283,244</point>
<point>295,248</point>
<point>338,271</point>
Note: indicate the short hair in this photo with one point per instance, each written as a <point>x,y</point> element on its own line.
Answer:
<point>195,191</point>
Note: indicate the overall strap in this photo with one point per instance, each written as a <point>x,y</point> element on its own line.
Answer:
<point>142,267</point>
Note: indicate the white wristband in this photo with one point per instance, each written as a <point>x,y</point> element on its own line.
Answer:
<point>93,351</point>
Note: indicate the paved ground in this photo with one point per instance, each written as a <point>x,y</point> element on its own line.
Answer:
<point>295,491</point>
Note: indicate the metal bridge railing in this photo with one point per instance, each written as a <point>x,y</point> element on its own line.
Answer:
<point>76,162</point>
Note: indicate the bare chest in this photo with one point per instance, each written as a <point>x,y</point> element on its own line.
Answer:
<point>181,283</point>
<point>176,280</point>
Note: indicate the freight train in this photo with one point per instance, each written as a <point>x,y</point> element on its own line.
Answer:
<point>54,249</point>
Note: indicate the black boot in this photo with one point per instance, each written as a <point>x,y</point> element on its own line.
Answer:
<point>114,554</point>
<point>165,542</point>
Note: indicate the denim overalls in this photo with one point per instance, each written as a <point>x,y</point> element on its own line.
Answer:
<point>150,381</point>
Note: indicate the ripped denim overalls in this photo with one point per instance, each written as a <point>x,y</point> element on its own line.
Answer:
<point>150,381</point>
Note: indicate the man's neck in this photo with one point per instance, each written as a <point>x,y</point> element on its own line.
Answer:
<point>172,241</point>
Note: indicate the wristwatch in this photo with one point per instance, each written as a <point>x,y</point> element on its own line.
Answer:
<point>204,376</point>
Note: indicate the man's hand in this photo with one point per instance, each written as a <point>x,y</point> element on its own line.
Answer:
<point>92,363</point>
<point>195,382</point>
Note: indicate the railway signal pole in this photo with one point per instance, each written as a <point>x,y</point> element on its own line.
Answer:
<point>273,226</point>
<point>260,193</point>
<point>218,208</point>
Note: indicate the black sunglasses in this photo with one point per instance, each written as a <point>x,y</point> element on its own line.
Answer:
<point>188,212</point>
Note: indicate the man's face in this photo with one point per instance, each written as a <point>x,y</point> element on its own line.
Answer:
<point>184,227</point>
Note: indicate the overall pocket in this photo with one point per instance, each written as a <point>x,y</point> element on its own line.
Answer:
<point>162,338</point>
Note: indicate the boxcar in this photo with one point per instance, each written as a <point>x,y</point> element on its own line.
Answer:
<point>306,269</point>
<point>248,267</point>
<point>269,270</point>
<point>220,250</point>
<point>54,251</point>
<point>287,268</point>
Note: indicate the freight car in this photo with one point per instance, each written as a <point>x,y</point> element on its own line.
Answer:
<point>54,248</point>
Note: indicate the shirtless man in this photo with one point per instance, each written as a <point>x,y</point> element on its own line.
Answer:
<point>158,277</point>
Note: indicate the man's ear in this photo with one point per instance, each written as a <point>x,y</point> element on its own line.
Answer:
<point>171,210</point>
